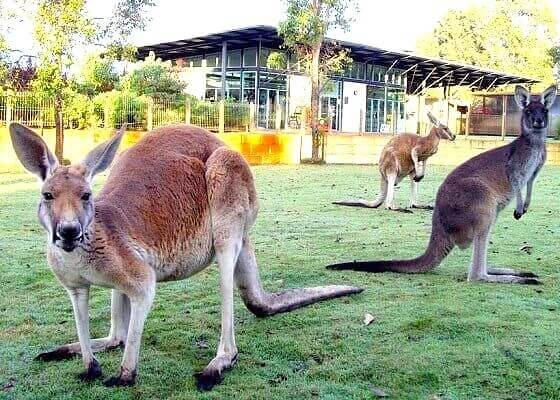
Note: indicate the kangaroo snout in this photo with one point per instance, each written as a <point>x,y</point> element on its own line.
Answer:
<point>69,232</point>
<point>538,123</point>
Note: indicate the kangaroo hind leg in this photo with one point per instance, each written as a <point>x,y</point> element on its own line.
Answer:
<point>120,315</point>
<point>480,272</point>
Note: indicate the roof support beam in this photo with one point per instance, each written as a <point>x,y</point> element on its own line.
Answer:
<point>431,85</point>
<point>224,65</point>
<point>492,84</point>
<point>424,81</point>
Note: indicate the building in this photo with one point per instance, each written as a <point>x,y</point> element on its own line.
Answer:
<point>497,114</point>
<point>381,92</point>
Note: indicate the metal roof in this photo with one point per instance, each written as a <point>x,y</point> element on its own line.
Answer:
<point>422,72</point>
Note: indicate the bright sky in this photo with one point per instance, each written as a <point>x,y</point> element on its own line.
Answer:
<point>392,24</point>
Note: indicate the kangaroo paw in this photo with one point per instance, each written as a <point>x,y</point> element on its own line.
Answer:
<point>92,373</point>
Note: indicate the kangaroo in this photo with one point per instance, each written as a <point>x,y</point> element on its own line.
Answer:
<point>472,195</point>
<point>404,155</point>
<point>172,203</point>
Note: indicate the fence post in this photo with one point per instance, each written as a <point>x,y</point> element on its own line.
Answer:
<point>8,110</point>
<point>187,110</point>
<point>468,121</point>
<point>106,118</point>
<point>150,117</point>
<point>504,108</point>
<point>221,117</point>
<point>251,116</point>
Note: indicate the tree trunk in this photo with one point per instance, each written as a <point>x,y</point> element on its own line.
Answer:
<point>59,146</point>
<point>315,101</point>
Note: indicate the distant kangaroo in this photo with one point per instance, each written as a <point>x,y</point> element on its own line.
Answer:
<point>404,155</point>
<point>472,195</point>
<point>172,203</point>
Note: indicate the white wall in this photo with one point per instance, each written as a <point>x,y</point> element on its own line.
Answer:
<point>354,107</point>
<point>300,92</point>
<point>195,78</point>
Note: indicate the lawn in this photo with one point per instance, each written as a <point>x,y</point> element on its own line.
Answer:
<point>434,336</point>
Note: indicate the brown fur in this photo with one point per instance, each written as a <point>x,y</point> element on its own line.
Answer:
<point>172,203</point>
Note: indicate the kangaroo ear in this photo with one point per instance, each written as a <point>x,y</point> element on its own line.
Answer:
<point>99,159</point>
<point>549,96</point>
<point>433,119</point>
<point>522,96</point>
<point>32,151</point>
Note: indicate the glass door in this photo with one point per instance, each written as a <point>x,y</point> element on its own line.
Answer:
<point>375,115</point>
<point>272,109</point>
<point>330,108</point>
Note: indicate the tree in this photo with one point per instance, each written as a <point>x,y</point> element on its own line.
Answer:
<point>514,36</point>
<point>20,77</point>
<point>304,32</point>
<point>63,25</point>
<point>97,75</point>
<point>154,78</point>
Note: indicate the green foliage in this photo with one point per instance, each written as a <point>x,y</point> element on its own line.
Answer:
<point>97,75</point>
<point>308,21</point>
<point>116,107</point>
<point>277,60</point>
<point>512,36</point>
<point>306,25</point>
<point>60,25</point>
<point>78,110</point>
<point>155,78</point>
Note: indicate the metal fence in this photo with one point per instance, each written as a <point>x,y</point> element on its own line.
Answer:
<point>113,109</point>
<point>499,115</point>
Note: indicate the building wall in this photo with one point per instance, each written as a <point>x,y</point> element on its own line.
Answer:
<point>300,92</point>
<point>195,79</point>
<point>353,107</point>
<point>272,148</point>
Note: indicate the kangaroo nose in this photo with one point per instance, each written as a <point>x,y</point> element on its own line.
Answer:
<point>69,231</point>
<point>539,123</point>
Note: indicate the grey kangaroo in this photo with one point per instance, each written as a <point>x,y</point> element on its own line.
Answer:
<point>472,195</point>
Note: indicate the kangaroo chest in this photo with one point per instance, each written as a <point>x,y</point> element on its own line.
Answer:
<point>523,166</point>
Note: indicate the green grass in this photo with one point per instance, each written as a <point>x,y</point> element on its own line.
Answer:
<point>434,336</point>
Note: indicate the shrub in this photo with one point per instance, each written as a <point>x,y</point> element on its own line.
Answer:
<point>121,107</point>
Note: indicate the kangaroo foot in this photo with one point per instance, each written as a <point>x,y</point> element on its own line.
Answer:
<point>511,271</point>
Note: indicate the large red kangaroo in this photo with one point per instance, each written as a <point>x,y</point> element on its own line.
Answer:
<point>172,203</point>
<point>470,198</point>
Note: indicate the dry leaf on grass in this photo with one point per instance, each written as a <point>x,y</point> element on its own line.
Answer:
<point>368,319</point>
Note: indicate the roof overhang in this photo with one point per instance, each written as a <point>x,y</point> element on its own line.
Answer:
<point>422,72</point>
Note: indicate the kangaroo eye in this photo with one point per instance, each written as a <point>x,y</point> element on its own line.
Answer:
<point>86,196</point>
<point>48,196</point>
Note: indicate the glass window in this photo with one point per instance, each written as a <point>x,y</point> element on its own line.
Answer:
<point>250,57</point>
<point>233,80</point>
<point>369,72</point>
<point>234,58</point>
<point>358,70</point>
<point>249,95</point>
<point>194,62</point>
<point>248,86</point>
<point>211,94</point>
<point>263,57</point>
<point>214,60</point>
<point>249,79</point>
<point>272,81</point>
<point>374,92</point>
<point>213,80</point>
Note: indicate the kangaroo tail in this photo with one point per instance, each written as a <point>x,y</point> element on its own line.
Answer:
<point>438,248</point>
<point>367,204</point>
